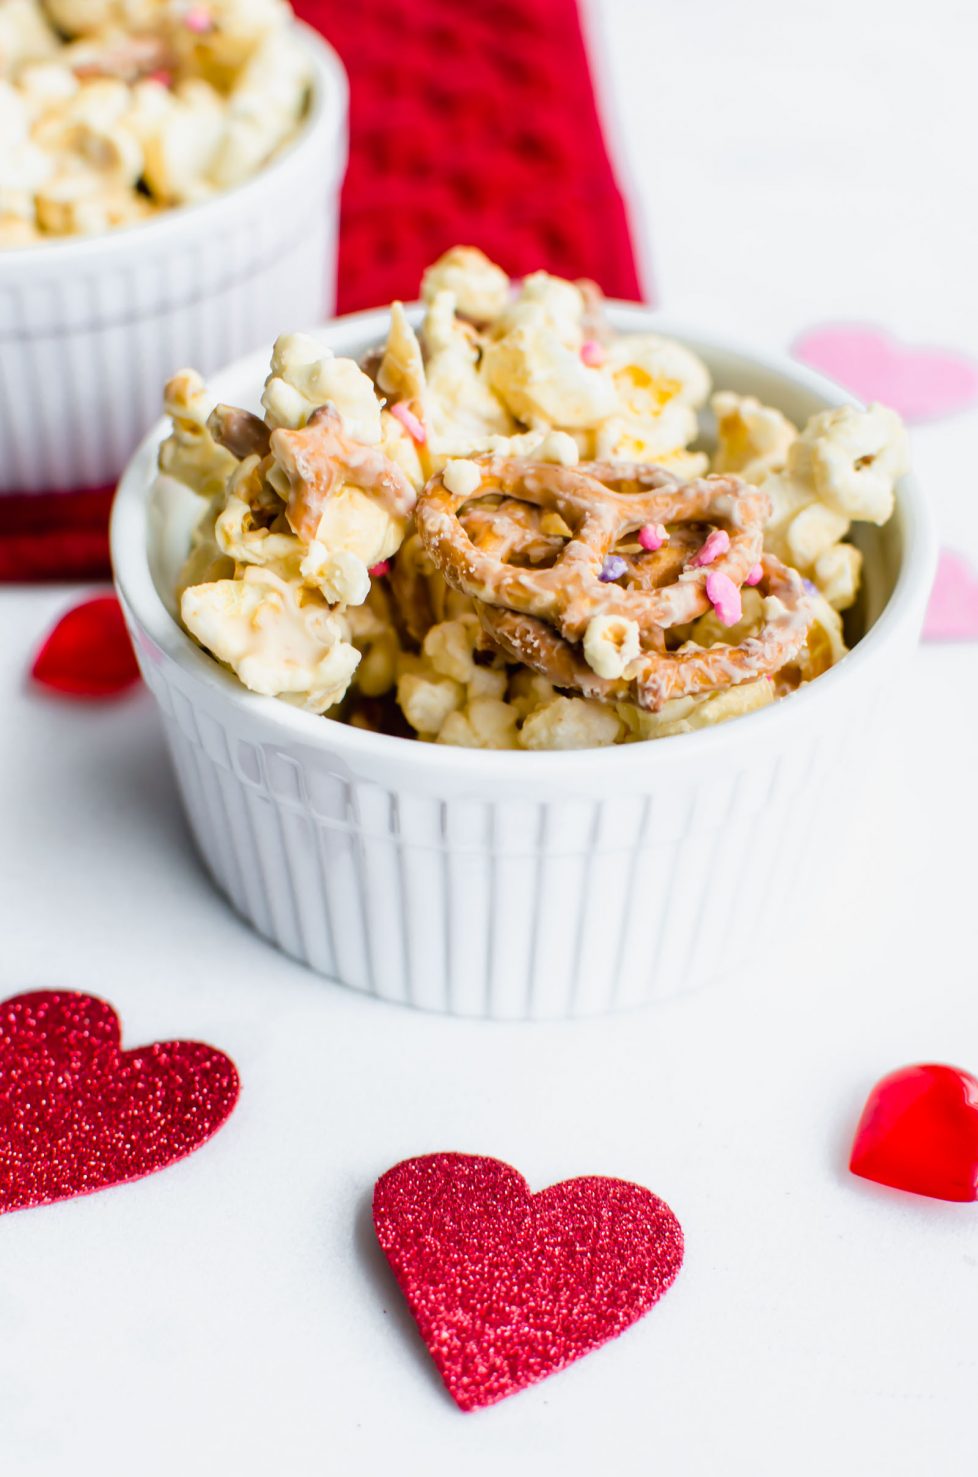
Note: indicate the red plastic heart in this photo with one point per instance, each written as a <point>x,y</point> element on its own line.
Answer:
<point>88,654</point>
<point>78,1114</point>
<point>508,1287</point>
<point>919,1132</point>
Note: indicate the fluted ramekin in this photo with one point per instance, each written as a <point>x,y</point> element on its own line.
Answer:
<point>518,885</point>
<point>91,327</point>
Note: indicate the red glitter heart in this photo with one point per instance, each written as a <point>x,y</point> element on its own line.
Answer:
<point>919,1132</point>
<point>88,654</point>
<point>78,1114</point>
<point>508,1287</point>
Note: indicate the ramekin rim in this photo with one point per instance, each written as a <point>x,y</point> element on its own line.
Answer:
<point>327,112</point>
<point>138,593</point>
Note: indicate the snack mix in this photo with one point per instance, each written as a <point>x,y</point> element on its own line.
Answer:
<point>112,110</point>
<point>495,531</point>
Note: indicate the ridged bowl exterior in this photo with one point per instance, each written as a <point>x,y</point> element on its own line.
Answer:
<point>517,886</point>
<point>91,328</point>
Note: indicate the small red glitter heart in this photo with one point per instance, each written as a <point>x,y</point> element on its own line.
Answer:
<point>508,1287</point>
<point>919,1132</point>
<point>88,654</point>
<point>78,1114</point>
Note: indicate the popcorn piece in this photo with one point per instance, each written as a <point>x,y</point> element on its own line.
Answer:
<point>340,576</point>
<point>837,575</point>
<point>275,643</point>
<point>426,701</point>
<point>651,371</point>
<point>401,371</point>
<point>571,723</point>
<point>752,439</point>
<point>449,647</point>
<point>610,643</point>
<point>658,386</point>
<point>461,409</point>
<point>856,457</point>
<point>529,691</point>
<point>263,110</point>
<point>479,287</point>
<point>461,478</point>
<point>543,382</point>
<point>190,454</point>
<point>305,375</point>
<point>811,532</point>
<point>180,151</point>
<point>25,34</point>
<point>485,723</point>
<point>249,531</point>
<point>549,302</point>
<point>375,637</point>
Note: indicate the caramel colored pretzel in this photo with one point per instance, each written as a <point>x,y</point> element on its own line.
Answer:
<point>320,457</point>
<point>655,677</point>
<point>516,531</point>
<point>569,592</point>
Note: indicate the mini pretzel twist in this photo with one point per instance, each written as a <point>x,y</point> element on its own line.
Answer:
<point>320,457</point>
<point>657,676</point>
<point>601,504</point>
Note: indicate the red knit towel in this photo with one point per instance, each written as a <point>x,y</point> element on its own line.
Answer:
<point>470,122</point>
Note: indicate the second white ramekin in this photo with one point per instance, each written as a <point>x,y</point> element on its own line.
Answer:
<point>91,327</point>
<point>518,885</point>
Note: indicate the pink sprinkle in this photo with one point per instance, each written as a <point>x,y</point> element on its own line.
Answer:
<point>715,544</point>
<point>724,596</point>
<point>755,576</point>
<point>377,571</point>
<point>652,536</point>
<point>410,422</point>
<point>199,20</point>
<point>592,353</point>
<point>162,79</point>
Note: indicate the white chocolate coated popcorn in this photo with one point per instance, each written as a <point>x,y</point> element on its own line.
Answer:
<point>307,575</point>
<point>305,374</point>
<point>129,107</point>
<point>610,643</point>
<point>274,643</point>
<point>843,467</point>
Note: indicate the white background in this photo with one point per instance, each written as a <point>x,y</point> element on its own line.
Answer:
<point>788,164</point>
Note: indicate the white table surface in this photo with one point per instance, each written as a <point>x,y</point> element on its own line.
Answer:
<point>232,1314</point>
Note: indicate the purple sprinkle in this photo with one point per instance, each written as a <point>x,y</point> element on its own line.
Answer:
<point>612,569</point>
<point>810,587</point>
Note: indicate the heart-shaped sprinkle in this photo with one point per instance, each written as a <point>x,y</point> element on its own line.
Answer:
<point>78,1114</point>
<point>922,383</point>
<point>919,1132</point>
<point>952,614</point>
<point>508,1287</point>
<point>89,653</point>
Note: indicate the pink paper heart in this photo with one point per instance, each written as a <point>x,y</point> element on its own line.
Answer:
<point>952,614</point>
<point>920,382</point>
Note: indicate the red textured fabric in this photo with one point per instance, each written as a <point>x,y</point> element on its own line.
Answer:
<point>472,123</point>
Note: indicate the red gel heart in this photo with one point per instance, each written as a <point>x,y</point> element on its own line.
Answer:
<point>88,654</point>
<point>919,1132</point>
<point>78,1114</point>
<point>508,1287</point>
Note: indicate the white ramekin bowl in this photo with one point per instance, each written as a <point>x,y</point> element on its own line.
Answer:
<point>91,327</point>
<point>517,885</point>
